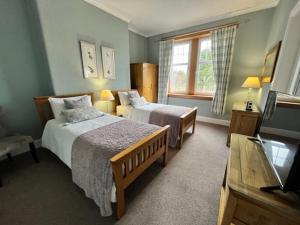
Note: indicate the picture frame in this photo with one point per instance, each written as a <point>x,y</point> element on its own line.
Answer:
<point>89,59</point>
<point>270,63</point>
<point>108,63</point>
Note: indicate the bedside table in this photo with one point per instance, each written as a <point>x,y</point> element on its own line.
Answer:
<point>243,121</point>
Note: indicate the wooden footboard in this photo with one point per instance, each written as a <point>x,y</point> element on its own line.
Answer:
<point>131,162</point>
<point>187,120</point>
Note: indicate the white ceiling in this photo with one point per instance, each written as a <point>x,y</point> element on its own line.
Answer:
<point>151,17</point>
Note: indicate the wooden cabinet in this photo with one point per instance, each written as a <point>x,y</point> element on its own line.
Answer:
<point>242,201</point>
<point>144,78</point>
<point>242,121</point>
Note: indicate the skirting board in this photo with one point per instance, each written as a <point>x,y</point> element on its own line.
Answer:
<point>268,130</point>
<point>213,120</point>
<point>37,144</point>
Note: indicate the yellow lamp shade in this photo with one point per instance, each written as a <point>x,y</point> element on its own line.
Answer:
<point>252,82</point>
<point>106,95</point>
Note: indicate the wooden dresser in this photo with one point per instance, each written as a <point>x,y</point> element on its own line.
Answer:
<point>243,121</point>
<point>144,78</point>
<point>242,202</point>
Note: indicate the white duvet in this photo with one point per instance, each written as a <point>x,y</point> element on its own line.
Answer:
<point>59,138</point>
<point>141,113</point>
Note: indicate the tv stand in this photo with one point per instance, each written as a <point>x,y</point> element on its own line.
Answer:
<point>242,200</point>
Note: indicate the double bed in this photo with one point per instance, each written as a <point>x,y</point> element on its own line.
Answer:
<point>106,153</point>
<point>179,118</point>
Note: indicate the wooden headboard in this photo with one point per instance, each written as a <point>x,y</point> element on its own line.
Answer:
<point>44,109</point>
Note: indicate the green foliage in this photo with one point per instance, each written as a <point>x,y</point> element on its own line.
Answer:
<point>205,79</point>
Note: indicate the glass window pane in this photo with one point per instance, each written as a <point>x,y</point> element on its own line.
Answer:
<point>204,82</point>
<point>181,52</point>
<point>205,49</point>
<point>179,79</point>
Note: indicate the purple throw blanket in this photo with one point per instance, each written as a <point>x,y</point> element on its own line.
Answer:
<point>169,115</point>
<point>91,154</point>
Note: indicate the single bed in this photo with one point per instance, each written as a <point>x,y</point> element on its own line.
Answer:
<point>145,113</point>
<point>126,165</point>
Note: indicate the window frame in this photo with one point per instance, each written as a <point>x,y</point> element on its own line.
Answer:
<point>192,69</point>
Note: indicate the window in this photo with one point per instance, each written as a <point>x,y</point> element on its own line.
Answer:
<point>204,81</point>
<point>180,69</point>
<point>192,70</point>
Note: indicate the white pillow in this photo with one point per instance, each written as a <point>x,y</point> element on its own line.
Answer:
<point>58,105</point>
<point>136,102</point>
<point>81,114</point>
<point>123,96</point>
<point>133,94</point>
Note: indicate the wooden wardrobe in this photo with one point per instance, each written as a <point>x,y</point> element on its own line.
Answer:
<point>144,78</point>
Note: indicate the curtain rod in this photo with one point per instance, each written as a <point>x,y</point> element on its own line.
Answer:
<point>181,36</point>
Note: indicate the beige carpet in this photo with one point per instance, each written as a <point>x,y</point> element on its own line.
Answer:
<point>185,192</point>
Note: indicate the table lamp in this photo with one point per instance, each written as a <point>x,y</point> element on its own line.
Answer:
<point>106,95</point>
<point>251,82</point>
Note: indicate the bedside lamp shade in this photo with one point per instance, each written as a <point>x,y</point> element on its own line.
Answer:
<point>106,95</point>
<point>252,82</point>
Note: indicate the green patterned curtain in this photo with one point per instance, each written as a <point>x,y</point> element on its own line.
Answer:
<point>222,50</point>
<point>165,68</point>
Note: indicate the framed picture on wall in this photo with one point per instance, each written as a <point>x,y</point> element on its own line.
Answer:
<point>270,63</point>
<point>89,59</point>
<point>108,62</point>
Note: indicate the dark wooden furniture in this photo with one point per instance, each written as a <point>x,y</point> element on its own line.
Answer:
<point>144,78</point>
<point>243,121</point>
<point>186,121</point>
<point>242,202</point>
<point>139,155</point>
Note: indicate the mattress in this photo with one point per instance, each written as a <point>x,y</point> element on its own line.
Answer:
<point>141,113</point>
<point>59,138</point>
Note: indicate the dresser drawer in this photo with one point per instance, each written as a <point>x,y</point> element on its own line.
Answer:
<point>251,214</point>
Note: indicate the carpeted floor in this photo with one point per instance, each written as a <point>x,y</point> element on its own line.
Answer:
<point>185,192</point>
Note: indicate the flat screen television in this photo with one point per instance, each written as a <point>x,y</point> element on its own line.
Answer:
<point>282,152</point>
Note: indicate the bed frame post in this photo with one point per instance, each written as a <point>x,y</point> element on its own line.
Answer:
<point>194,124</point>
<point>186,121</point>
<point>165,155</point>
<point>120,203</point>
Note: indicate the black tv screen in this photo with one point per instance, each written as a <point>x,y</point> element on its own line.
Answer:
<point>282,149</point>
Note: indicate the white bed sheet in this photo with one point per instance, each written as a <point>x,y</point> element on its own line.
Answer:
<point>141,113</point>
<point>59,138</point>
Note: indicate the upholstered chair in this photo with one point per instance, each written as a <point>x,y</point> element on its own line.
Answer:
<point>10,143</point>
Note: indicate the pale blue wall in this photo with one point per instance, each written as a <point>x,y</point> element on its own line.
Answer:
<point>280,20</point>
<point>284,118</point>
<point>138,50</point>
<point>21,78</point>
<point>40,54</point>
<point>279,23</point>
<point>248,58</point>
<point>64,23</point>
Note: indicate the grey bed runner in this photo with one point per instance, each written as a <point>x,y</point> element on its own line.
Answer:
<point>169,115</point>
<point>91,153</point>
